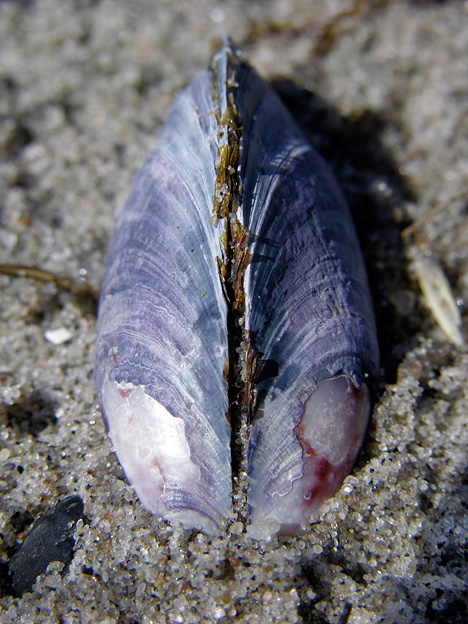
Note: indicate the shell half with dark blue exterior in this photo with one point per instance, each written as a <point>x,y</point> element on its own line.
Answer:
<point>235,332</point>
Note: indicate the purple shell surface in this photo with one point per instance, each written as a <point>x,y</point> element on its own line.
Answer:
<point>236,339</point>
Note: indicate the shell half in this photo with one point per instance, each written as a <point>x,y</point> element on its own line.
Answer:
<point>235,328</point>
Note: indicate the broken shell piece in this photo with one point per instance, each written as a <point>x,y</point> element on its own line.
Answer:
<point>438,296</point>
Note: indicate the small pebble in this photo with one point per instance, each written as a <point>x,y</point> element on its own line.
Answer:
<point>4,454</point>
<point>57,336</point>
<point>50,539</point>
<point>237,528</point>
<point>219,613</point>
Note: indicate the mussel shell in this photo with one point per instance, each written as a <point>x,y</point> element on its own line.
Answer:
<point>162,325</point>
<point>230,158</point>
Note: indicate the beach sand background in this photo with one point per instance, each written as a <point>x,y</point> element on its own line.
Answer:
<point>383,94</point>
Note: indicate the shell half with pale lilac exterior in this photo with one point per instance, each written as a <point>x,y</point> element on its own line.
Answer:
<point>235,332</point>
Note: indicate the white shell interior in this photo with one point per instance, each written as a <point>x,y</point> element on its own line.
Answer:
<point>151,444</point>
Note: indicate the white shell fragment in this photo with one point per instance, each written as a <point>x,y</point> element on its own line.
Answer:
<point>438,296</point>
<point>235,331</point>
<point>57,336</point>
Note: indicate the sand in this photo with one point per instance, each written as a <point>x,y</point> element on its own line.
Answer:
<point>383,94</point>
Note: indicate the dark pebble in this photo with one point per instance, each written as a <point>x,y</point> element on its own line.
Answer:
<point>50,539</point>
